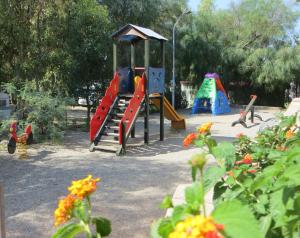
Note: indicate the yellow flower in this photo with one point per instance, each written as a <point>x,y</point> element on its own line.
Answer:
<point>205,127</point>
<point>197,227</point>
<point>84,187</point>
<point>289,134</point>
<point>64,210</point>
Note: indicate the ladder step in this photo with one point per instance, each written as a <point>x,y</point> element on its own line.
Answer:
<point>110,134</point>
<point>120,114</point>
<point>123,102</point>
<point>110,141</point>
<point>115,120</point>
<point>126,95</point>
<point>112,127</point>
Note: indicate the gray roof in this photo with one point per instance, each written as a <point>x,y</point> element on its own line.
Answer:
<point>124,34</point>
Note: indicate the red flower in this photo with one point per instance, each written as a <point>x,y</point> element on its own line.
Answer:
<point>252,171</point>
<point>246,160</point>
<point>189,139</point>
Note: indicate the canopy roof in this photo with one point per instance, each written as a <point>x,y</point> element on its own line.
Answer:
<point>132,32</point>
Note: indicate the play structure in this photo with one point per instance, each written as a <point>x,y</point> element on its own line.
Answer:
<point>14,138</point>
<point>131,91</point>
<point>249,108</point>
<point>211,96</point>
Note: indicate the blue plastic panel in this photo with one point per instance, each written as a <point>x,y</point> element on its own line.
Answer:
<point>220,104</point>
<point>125,80</point>
<point>156,80</point>
<point>201,105</point>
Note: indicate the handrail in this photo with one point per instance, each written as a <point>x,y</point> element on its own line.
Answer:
<point>104,106</point>
<point>132,109</point>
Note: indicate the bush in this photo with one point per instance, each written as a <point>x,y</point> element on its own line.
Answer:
<point>180,98</point>
<point>46,112</point>
<point>256,187</point>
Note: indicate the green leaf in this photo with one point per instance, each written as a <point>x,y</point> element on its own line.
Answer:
<point>291,176</point>
<point>277,207</point>
<point>233,193</point>
<point>154,229</point>
<point>265,223</point>
<point>294,154</point>
<point>80,210</point>
<point>211,143</point>
<point>266,178</point>
<point>194,195</point>
<point>225,154</point>
<point>219,190</point>
<point>200,143</point>
<point>103,225</point>
<point>69,231</point>
<point>237,219</point>
<point>211,176</point>
<point>165,228</point>
<point>179,213</point>
<point>167,202</point>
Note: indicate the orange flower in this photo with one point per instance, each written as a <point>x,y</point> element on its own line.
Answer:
<point>289,134</point>
<point>64,211</point>
<point>205,127</point>
<point>197,226</point>
<point>246,160</point>
<point>84,187</point>
<point>189,139</point>
<point>230,173</point>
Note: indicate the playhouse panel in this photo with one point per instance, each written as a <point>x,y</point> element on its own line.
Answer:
<point>125,80</point>
<point>156,80</point>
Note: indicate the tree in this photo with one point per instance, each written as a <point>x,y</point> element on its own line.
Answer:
<point>251,43</point>
<point>89,45</point>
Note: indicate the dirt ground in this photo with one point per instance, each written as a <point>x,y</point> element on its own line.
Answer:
<point>132,186</point>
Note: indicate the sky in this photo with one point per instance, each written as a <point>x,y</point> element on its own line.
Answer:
<point>223,4</point>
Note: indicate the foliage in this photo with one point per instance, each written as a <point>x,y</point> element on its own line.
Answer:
<point>45,112</point>
<point>77,207</point>
<point>66,45</point>
<point>256,185</point>
<point>252,44</point>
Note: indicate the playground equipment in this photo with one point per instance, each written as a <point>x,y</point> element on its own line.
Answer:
<point>25,138</point>
<point>177,121</point>
<point>130,90</point>
<point>250,107</point>
<point>211,96</point>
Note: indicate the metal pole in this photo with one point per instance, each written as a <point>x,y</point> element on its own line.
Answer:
<point>114,57</point>
<point>173,73</point>
<point>146,116</point>
<point>185,12</point>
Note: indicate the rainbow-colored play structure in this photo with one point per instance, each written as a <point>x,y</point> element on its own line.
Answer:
<point>211,96</point>
<point>130,93</point>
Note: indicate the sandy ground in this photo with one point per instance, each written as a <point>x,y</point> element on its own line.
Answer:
<point>132,186</point>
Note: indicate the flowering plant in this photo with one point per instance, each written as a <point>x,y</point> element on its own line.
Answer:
<point>202,138</point>
<point>255,187</point>
<point>77,206</point>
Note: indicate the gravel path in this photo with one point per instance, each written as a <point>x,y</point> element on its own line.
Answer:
<point>131,189</point>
